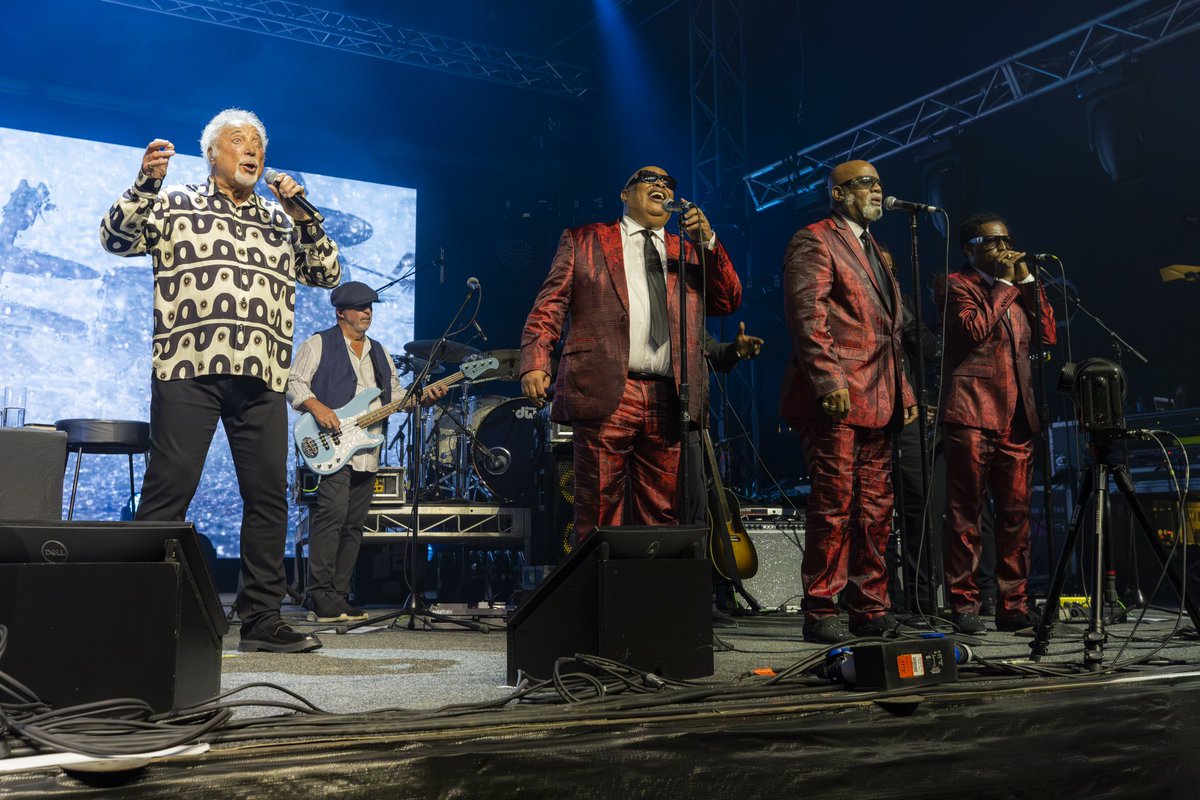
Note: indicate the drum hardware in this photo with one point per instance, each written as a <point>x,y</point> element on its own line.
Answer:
<point>453,352</point>
<point>409,363</point>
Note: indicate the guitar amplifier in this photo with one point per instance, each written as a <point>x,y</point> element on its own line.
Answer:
<point>779,542</point>
<point>389,486</point>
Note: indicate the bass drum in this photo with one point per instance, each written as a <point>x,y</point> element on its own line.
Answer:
<point>514,434</point>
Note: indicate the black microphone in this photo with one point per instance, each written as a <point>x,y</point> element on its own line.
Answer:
<point>442,264</point>
<point>677,205</point>
<point>479,330</point>
<point>895,204</point>
<point>472,285</point>
<point>271,176</point>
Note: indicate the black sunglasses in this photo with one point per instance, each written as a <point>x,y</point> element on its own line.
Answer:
<point>646,176</point>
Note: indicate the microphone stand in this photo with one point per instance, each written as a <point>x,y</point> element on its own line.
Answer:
<point>685,416</point>
<point>923,429</point>
<point>414,605</point>
<point>1043,412</point>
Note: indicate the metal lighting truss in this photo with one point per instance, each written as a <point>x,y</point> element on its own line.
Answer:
<point>1082,51</point>
<point>367,37</point>
<point>717,67</point>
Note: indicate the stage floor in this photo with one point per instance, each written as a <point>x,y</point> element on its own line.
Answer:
<point>1126,733</point>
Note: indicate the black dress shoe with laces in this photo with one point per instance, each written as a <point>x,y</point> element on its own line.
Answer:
<point>883,625</point>
<point>827,630</point>
<point>276,636</point>
<point>967,622</point>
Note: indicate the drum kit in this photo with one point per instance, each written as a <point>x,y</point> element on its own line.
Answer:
<point>477,445</point>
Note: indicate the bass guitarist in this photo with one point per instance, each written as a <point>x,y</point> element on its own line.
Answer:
<point>331,367</point>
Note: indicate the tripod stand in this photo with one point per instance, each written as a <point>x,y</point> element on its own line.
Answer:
<point>1095,482</point>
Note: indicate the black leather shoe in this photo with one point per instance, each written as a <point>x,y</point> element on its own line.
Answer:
<point>349,612</point>
<point>1024,622</point>
<point>827,630</point>
<point>967,622</point>
<point>276,636</point>
<point>324,608</point>
<point>883,625</point>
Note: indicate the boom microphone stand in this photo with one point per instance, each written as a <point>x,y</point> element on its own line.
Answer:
<point>414,605</point>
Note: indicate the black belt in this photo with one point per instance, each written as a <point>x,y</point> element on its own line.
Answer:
<point>649,376</point>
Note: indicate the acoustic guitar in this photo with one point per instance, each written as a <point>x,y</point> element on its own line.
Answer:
<point>727,537</point>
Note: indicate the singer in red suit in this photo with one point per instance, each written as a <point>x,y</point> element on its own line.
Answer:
<point>619,374</point>
<point>990,418</point>
<point>844,391</point>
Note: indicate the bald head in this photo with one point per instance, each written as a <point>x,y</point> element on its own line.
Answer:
<point>856,191</point>
<point>848,170</point>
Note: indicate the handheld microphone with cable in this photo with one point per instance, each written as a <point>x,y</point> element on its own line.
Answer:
<point>677,205</point>
<point>479,330</point>
<point>441,263</point>
<point>472,285</point>
<point>273,177</point>
<point>895,204</point>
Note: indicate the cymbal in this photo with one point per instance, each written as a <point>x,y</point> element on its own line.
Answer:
<point>408,363</point>
<point>510,366</point>
<point>449,351</point>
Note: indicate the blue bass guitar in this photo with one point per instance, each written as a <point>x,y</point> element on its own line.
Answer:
<point>325,452</point>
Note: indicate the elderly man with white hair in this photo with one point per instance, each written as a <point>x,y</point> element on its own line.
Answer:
<point>225,267</point>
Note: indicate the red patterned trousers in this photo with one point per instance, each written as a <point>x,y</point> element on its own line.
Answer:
<point>979,460</point>
<point>626,466</point>
<point>849,519</point>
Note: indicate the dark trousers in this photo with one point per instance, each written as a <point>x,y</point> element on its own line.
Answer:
<point>918,539</point>
<point>183,417</point>
<point>695,511</point>
<point>849,519</point>
<point>1000,462</point>
<point>343,503</point>
<point>633,453</point>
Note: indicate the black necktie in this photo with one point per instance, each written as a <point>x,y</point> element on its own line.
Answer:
<point>657,286</point>
<point>885,285</point>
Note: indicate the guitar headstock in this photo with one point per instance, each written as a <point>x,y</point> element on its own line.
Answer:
<point>474,366</point>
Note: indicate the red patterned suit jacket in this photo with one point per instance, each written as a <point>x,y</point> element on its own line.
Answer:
<point>587,283</point>
<point>985,326</point>
<point>843,336</point>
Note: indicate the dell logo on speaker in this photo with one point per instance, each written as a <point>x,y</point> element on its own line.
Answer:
<point>54,552</point>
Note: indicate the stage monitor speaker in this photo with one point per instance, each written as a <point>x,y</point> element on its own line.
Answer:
<point>100,610</point>
<point>640,595</point>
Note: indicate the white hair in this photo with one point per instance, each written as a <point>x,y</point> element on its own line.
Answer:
<point>230,116</point>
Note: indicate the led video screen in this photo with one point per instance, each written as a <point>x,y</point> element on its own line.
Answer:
<point>76,321</point>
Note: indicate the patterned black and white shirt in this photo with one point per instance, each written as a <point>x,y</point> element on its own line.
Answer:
<point>224,276</point>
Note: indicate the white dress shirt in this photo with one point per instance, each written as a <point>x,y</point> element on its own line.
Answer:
<point>643,357</point>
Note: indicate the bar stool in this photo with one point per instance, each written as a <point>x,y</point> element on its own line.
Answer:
<point>105,437</point>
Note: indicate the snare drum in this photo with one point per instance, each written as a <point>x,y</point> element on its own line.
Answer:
<point>447,434</point>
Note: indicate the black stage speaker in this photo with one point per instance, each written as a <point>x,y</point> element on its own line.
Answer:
<point>99,610</point>
<point>640,595</point>
<point>31,473</point>
<point>554,525</point>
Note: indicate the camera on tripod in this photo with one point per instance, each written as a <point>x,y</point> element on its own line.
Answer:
<point>1097,387</point>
